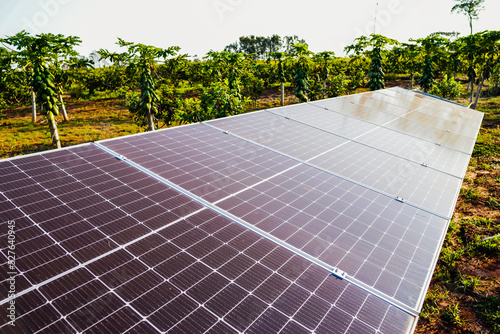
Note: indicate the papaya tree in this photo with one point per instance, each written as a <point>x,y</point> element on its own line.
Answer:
<point>142,59</point>
<point>375,48</point>
<point>301,67</point>
<point>483,51</point>
<point>223,96</point>
<point>41,52</point>
<point>323,60</point>
<point>408,57</point>
<point>252,79</point>
<point>433,48</point>
<point>280,58</point>
<point>226,66</point>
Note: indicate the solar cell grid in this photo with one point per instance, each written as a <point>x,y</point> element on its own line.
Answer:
<point>397,123</point>
<point>449,109</point>
<point>373,168</point>
<point>143,290</point>
<point>335,210</point>
<point>396,143</point>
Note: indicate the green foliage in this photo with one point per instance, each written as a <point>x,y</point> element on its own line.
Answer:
<point>260,47</point>
<point>447,88</point>
<point>468,283</point>
<point>253,86</point>
<point>433,298</point>
<point>192,112</point>
<point>487,248</point>
<point>375,73</point>
<point>452,315</point>
<point>337,86</point>
<point>483,149</point>
<point>427,79</point>
<point>220,101</point>
<point>301,68</point>
<point>111,78</point>
<point>489,311</point>
<point>469,194</point>
<point>356,73</point>
<point>493,203</point>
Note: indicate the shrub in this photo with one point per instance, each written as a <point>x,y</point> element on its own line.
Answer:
<point>447,88</point>
<point>337,86</point>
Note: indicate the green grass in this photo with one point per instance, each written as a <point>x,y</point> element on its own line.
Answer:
<point>489,311</point>
<point>470,194</point>
<point>89,121</point>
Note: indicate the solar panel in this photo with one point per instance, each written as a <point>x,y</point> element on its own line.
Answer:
<point>273,221</point>
<point>373,168</point>
<point>403,117</point>
<point>396,143</point>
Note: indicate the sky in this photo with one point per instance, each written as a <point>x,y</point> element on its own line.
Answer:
<point>198,26</point>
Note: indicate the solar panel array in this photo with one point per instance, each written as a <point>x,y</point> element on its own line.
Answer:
<point>323,217</point>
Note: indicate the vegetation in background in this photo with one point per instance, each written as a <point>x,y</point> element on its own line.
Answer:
<point>142,60</point>
<point>301,69</point>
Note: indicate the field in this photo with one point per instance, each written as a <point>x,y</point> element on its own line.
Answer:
<point>464,296</point>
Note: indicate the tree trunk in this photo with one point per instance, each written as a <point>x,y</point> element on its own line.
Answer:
<point>324,88</point>
<point>468,86</point>
<point>471,92</point>
<point>478,94</point>
<point>282,93</point>
<point>33,106</point>
<point>411,81</point>
<point>151,125</point>
<point>65,114</point>
<point>53,130</point>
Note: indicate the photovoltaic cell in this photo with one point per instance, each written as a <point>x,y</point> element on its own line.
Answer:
<point>194,230</point>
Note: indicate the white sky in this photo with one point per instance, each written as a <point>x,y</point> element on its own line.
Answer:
<point>198,26</point>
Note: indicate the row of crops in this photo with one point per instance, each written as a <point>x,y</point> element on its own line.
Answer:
<point>164,86</point>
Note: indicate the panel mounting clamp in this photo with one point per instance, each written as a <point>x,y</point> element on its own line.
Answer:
<point>424,165</point>
<point>400,199</point>
<point>225,132</point>
<point>287,117</point>
<point>121,157</point>
<point>438,144</point>
<point>339,273</point>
